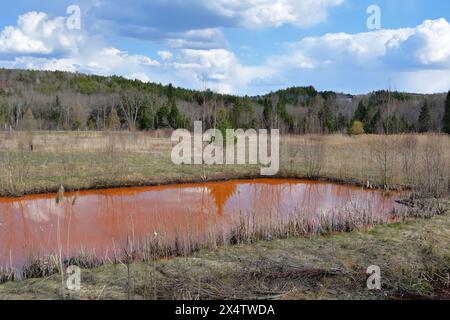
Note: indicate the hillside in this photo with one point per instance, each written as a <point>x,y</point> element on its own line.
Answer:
<point>43,100</point>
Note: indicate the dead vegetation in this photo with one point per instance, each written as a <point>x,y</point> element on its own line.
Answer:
<point>85,160</point>
<point>413,256</point>
<point>250,228</point>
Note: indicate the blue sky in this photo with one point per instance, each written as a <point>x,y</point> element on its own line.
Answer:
<point>241,47</point>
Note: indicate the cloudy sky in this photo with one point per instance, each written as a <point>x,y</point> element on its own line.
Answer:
<point>236,46</point>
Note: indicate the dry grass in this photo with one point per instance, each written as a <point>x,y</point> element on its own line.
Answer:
<point>83,160</point>
<point>249,228</point>
<point>414,258</point>
<point>93,160</point>
<point>381,161</point>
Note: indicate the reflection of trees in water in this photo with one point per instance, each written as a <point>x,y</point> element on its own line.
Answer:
<point>221,194</point>
<point>103,220</point>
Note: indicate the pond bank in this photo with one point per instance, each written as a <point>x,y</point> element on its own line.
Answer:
<point>178,219</point>
<point>414,258</point>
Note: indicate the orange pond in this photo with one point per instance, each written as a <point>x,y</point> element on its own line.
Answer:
<point>100,222</point>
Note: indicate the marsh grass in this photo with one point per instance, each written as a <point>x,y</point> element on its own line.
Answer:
<point>90,159</point>
<point>249,228</point>
<point>85,160</point>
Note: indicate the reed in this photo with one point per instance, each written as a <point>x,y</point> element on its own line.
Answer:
<point>7,274</point>
<point>248,228</point>
<point>81,160</point>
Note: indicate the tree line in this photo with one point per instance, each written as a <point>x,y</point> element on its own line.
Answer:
<point>42,100</point>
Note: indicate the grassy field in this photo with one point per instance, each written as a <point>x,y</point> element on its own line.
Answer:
<point>414,258</point>
<point>86,160</point>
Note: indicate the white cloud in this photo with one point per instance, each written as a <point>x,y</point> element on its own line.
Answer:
<point>425,46</point>
<point>198,24</point>
<point>426,81</point>
<point>197,39</point>
<point>165,55</point>
<point>413,59</point>
<point>43,42</point>
<point>217,69</point>
<point>139,76</point>
<point>274,13</point>
<point>37,33</point>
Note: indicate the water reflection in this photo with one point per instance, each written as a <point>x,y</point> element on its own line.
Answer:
<point>101,221</point>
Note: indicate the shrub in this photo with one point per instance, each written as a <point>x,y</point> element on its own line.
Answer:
<point>357,128</point>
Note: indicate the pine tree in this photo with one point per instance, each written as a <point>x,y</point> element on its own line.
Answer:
<point>170,92</point>
<point>282,111</point>
<point>424,121</point>
<point>236,114</point>
<point>56,112</point>
<point>175,118</point>
<point>447,114</point>
<point>162,117</point>
<point>361,112</point>
<point>342,122</point>
<point>267,113</point>
<point>327,118</point>
<point>223,122</point>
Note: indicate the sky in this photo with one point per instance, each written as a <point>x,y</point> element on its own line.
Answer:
<point>244,47</point>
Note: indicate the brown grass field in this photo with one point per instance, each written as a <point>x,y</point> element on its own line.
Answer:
<point>87,160</point>
<point>414,255</point>
<point>414,258</point>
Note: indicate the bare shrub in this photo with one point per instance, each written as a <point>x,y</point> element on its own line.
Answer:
<point>312,154</point>
<point>385,154</point>
<point>15,167</point>
<point>6,274</point>
<point>408,150</point>
<point>433,180</point>
<point>114,163</point>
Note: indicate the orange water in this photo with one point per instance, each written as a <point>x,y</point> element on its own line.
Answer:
<point>102,221</point>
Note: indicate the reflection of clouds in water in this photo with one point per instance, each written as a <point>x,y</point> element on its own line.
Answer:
<point>40,211</point>
<point>199,190</point>
<point>194,210</point>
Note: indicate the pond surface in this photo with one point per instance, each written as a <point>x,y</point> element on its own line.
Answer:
<point>104,221</point>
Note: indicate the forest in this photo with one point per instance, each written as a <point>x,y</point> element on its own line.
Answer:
<point>44,100</point>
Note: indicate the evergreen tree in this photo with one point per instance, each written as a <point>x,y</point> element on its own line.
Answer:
<point>282,112</point>
<point>267,112</point>
<point>327,118</point>
<point>424,122</point>
<point>361,112</point>
<point>373,123</point>
<point>175,117</point>
<point>170,92</point>
<point>342,122</point>
<point>55,112</point>
<point>146,119</point>
<point>447,114</point>
<point>162,117</point>
<point>236,114</point>
<point>392,125</point>
<point>223,122</point>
